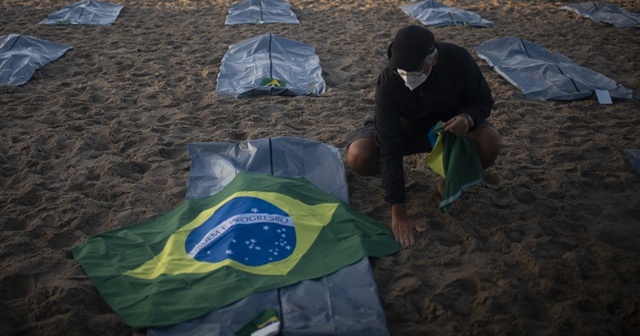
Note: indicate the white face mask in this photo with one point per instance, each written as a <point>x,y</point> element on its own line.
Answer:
<point>413,79</point>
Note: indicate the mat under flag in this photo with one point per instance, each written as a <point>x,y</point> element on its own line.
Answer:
<point>258,233</point>
<point>270,65</point>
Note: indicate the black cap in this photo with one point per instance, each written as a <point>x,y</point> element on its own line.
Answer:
<point>410,47</point>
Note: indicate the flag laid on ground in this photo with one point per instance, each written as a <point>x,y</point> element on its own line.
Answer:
<point>456,159</point>
<point>267,321</point>
<point>258,233</point>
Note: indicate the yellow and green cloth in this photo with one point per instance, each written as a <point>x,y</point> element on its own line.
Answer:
<point>259,233</point>
<point>456,159</point>
<point>268,319</point>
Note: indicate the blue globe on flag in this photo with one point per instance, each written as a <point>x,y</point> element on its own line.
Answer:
<point>248,230</point>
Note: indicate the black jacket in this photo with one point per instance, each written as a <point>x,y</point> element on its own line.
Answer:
<point>455,85</point>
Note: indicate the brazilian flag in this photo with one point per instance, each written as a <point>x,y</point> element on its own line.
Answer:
<point>266,81</point>
<point>259,233</point>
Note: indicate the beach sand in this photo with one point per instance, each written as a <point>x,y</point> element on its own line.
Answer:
<point>548,245</point>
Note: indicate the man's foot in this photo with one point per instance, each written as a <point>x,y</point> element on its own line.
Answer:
<point>441,188</point>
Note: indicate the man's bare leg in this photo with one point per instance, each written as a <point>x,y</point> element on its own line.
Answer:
<point>363,157</point>
<point>488,143</point>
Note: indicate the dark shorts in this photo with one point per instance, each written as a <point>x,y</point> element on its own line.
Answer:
<point>413,144</point>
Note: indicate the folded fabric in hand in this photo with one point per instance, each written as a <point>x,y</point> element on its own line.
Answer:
<point>456,159</point>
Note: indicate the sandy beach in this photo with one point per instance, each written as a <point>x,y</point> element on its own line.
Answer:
<point>549,244</point>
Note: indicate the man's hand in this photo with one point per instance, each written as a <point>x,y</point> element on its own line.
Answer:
<point>459,125</point>
<point>403,227</point>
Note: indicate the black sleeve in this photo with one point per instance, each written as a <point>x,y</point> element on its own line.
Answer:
<point>477,100</point>
<point>388,131</point>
